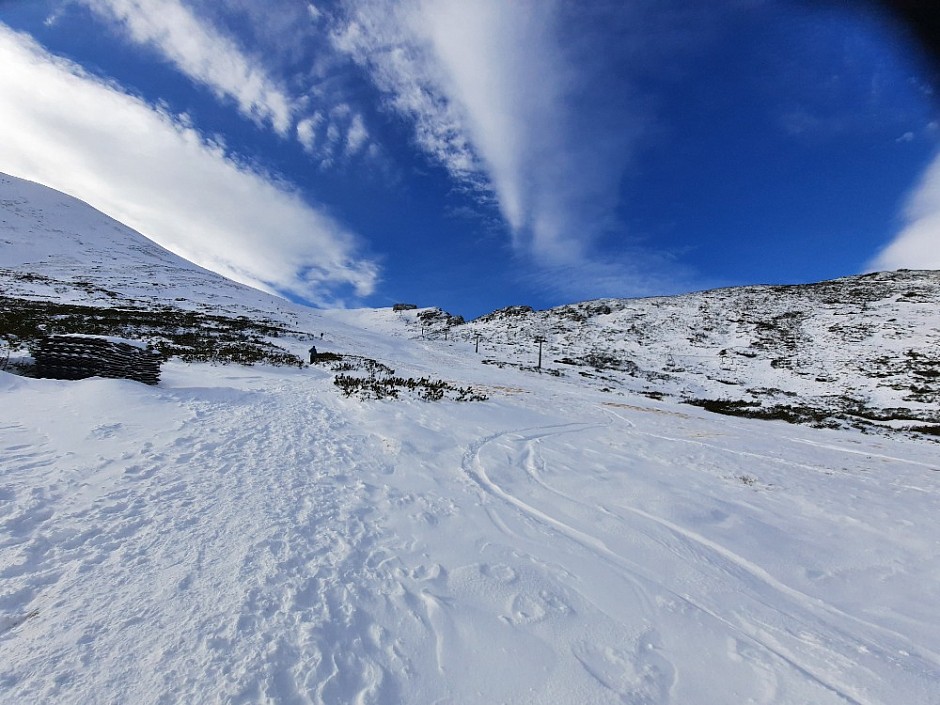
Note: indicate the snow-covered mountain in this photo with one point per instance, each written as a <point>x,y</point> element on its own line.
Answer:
<point>76,270</point>
<point>57,246</point>
<point>864,348</point>
<point>254,534</point>
<point>860,350</point>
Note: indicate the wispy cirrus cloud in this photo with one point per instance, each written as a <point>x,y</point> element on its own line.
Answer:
<point>917,245</point>
<point>506,96</point>
<point>508,101</point>
<point>152,171</point>
<point>267,84</point>
<point>204,54</point>
<point>382,39</point>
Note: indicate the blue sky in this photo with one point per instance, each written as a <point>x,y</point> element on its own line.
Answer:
<point>473,155</point>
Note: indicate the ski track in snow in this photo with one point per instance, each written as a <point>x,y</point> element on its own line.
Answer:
<point>801,631</point>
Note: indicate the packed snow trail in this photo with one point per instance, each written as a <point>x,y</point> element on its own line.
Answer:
<point>222,557</point>
<point>244,535</point>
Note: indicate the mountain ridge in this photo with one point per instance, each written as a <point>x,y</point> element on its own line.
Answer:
<point>857,345</point>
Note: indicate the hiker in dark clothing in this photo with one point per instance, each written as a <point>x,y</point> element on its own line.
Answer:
<point>313,354</point>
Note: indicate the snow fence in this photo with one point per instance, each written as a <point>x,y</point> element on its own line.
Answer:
<point>79,357</point>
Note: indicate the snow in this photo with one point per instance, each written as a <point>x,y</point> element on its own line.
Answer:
<point>249,535</point>
<point>65,250</point>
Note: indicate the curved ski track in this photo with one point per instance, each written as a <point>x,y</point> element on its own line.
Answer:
<point>804,634</point>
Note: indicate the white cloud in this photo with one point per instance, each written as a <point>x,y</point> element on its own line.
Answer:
<point>342,130</point>
<point>496,97</point>
<point>356,136</point>
<point>917,245</point>
<point>647,275</point>
<point>332,133</point>
<point>70,131</point>
<point>203,54</point>
<point>377,36</point>
<point>307,131</point>
<point>499,67</point>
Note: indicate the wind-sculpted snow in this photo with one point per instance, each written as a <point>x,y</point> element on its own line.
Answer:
<point>243,535</point>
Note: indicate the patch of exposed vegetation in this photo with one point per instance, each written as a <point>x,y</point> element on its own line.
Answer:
<point>352,363</point>
<point>602,361</point>
<point>502,364</point>
<point>781,332</point>
<point>378,381</point>
<point>790,413</point>
<point>393,387</point>
<point>833,412</point>
<point>504,313</point>
<point>582,312</point>
<point>187,335</point>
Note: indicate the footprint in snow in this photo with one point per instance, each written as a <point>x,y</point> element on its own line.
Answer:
<point>642,675</point>
<point>500,572</point>
<point>528,608</point>
<point>104,431</point>
<point>428,572</point>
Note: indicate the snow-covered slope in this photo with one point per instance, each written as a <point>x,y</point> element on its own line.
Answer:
<point>55,246</point>
<point>249,535</point>
<point>874,336</point>
<point>246,535</point>
<point>859,350</point>
<point>863,350</point>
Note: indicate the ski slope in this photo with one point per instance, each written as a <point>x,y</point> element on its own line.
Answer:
<point>247,535</point>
